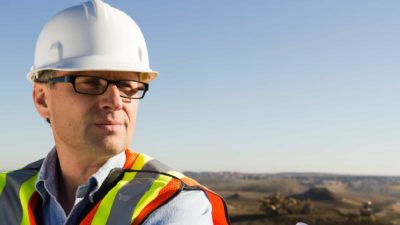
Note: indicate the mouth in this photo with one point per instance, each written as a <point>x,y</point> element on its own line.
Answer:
<point>109,125</point>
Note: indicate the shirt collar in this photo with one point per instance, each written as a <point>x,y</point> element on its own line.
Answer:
<point>97,179</point>
<point>47,183</point>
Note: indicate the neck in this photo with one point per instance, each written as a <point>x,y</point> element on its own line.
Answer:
<point>75,170</point>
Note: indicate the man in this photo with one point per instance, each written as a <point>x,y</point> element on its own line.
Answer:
<point>91,68</point>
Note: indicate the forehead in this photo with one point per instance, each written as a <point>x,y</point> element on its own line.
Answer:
<point>114,75</point>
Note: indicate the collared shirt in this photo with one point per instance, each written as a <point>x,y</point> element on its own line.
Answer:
<point>47,186</point>
<point>189,207</point>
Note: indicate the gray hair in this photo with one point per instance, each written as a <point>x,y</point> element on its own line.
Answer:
<point>44,76</point>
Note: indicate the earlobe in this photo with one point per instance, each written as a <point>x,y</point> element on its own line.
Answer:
<point>40,100</point>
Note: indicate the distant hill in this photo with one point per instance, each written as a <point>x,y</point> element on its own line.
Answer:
<point>295,183</point>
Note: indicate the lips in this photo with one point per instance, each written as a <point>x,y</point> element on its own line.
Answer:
<point>108,122</point>
<point>109,125</point>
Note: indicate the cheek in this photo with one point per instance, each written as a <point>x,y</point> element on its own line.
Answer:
<point>69,110</point>
<point>131,112</point>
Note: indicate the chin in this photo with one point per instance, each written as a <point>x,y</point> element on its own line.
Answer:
<point>115,149</point>
<point>109,148</point>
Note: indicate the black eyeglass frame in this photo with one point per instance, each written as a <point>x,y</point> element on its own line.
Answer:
<point>71,79</point>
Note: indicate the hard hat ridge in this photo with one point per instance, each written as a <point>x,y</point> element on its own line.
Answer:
<point>96,4</point>
<point>91,36</point>
<point>95,7</point>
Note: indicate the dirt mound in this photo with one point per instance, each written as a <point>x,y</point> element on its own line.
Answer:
<point>317,194</point>
<point>234,196</point>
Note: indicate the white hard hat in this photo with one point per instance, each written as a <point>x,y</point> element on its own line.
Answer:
<point>91,36</point>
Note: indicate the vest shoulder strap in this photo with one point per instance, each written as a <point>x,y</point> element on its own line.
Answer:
<point>143,186</point>
<point>18,196</point>
<point>176,183</point>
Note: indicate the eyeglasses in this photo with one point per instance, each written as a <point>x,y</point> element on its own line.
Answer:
<point>92,85</point>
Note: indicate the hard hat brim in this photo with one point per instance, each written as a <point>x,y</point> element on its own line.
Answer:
<point>145,76</point>
<point>94,63</point>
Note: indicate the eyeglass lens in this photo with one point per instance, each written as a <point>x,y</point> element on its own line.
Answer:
<point>96,85</point>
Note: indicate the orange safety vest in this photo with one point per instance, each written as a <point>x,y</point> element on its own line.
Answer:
<point>128,195</point>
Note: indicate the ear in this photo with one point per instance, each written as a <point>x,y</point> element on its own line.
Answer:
<point>40,99</point>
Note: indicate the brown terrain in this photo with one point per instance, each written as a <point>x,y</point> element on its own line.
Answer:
<point>320,199</point>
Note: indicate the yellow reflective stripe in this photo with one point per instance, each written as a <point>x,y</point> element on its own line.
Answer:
<point>140,161</point>
<point>104,209</point>
<point>3,177</point>
<point>151,194</point>
<point>25,194</point>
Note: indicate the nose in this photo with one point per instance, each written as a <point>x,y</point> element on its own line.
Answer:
<point>111,99</point>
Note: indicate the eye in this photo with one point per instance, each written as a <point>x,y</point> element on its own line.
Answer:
<point>131,88</point>
<point>90,85</point>
<point>125,85</point>
<point>90,81</point>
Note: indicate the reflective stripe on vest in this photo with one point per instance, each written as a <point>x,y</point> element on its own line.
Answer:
<point>104,212</point>
<point>141,185</point>
<point>144,188</point>
<point>3,177</point>
<point>17,196</point>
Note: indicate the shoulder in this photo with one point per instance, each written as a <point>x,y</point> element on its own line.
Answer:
<point>22,174</point>
<point>13,183</point>
<point>188,207</point>
<point>187,202</point>
<point>178,198</point>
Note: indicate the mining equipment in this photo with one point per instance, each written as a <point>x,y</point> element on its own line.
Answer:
<point>276,204</point>
<point>366,209</point>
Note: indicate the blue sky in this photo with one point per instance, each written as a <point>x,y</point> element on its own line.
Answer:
<point>251,86</point>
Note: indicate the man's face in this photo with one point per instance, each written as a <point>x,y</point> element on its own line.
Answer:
<point>91,125</point>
